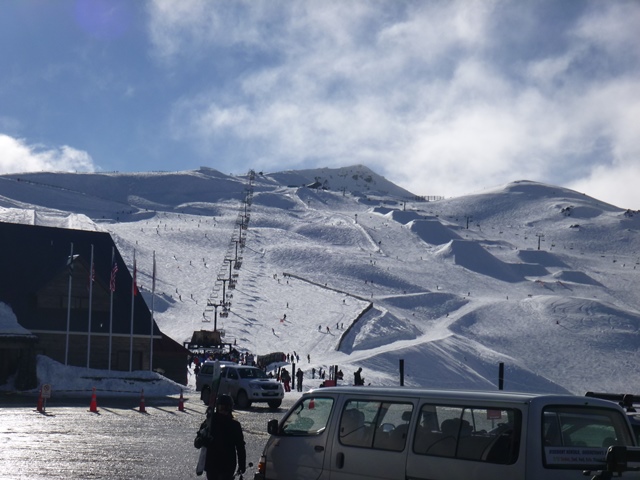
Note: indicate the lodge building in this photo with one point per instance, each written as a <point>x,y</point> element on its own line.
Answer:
<point>44,279</point>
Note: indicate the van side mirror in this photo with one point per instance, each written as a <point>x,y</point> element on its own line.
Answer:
<point>272,427</point>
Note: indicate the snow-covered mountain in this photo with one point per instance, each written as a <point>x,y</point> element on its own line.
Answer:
<point>350,269</point>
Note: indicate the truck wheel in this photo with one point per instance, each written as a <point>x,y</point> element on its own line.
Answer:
<point>274,404</point>
<point>242,400</point>
<point>205,395</point>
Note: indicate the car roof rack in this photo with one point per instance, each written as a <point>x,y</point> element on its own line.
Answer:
<point>625,400</point>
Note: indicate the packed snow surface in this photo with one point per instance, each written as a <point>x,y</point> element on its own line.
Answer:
<point>344,268</point>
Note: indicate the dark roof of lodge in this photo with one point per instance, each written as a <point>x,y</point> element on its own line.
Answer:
<point>33,258</point>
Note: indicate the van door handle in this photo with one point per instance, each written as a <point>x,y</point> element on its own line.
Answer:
<point>340,460</point>
<point>319,448</point>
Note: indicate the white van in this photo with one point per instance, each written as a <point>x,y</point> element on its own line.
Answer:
<point>349,433</point>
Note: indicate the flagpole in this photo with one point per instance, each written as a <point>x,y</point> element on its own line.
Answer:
<point>153,294</point>
<point>112,287</point>
<point>90,302</point>
<point>133,296</point>
<point>70,267</point>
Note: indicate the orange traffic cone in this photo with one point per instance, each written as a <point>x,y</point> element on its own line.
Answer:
<point>142,408</point>
<point>181,403</point>
<point>93,406</point>
<point>39,407</point>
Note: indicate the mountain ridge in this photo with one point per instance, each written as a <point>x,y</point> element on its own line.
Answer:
<point>533,275</point>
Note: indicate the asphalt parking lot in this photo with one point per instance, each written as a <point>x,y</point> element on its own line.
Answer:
<point>118,441</point>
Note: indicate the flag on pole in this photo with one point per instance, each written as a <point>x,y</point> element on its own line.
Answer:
<point>153,291</point>
<point>112,282</point>
<point>70,264</point>
<point>153,281</point>
<point>112,287</point>
<point>134,288</point>
<point>92,276</point>
<point>70,267</point>
<point>135,283</point>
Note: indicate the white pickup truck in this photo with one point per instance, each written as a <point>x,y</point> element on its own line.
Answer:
<point>245,384</point>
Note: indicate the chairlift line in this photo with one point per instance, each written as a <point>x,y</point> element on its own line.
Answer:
<point>231,256</point>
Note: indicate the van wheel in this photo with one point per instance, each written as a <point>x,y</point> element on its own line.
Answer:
<point>205,395</point>
<point>273,404</point>
<point>242,400</point>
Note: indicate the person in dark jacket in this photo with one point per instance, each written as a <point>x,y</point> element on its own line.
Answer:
<point>225,442</point>
<point>299,376</point>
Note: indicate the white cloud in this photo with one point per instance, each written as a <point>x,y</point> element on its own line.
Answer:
<point>617,185</point>
<point>612,27</point>
<point>16,157</point>
<point>188,27</point>
<point>428,94</point>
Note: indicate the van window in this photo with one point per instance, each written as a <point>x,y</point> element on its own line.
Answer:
<point>482,434</point>
<point>575,436</point>
<point>374,424</point>
<point>309,417</point>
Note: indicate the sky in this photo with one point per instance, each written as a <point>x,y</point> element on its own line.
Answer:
<point>541,278</point>
<point>441,97</point>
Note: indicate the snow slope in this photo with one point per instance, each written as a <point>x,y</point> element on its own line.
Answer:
<point>367,275</point>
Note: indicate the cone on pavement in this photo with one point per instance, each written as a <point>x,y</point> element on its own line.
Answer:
<point>142,407</point>
<point>39,407</point>
<point>181,403</point>
<point>93,406</point>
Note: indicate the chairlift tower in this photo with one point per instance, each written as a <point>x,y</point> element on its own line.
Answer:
<point>232,283</point>
<point>215,313</point>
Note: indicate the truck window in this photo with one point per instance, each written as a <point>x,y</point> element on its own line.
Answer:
<point>309,417</point>
<point>580,436</point>
<point>251,373</point>
<point>375,424</point>
<point>482,434</point>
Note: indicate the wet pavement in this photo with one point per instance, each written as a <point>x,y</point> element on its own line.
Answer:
<point>69,441</point>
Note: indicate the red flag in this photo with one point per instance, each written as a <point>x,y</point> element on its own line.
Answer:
<point>114,270</point>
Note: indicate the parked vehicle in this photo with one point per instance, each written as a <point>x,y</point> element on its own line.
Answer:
<point>245,384</point>
<point>268,359</point>
<point>348,433</point>
<point>205,375</point>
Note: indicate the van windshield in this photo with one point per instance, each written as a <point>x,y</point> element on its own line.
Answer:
<point>309,417</point>
<point>578,437</point>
